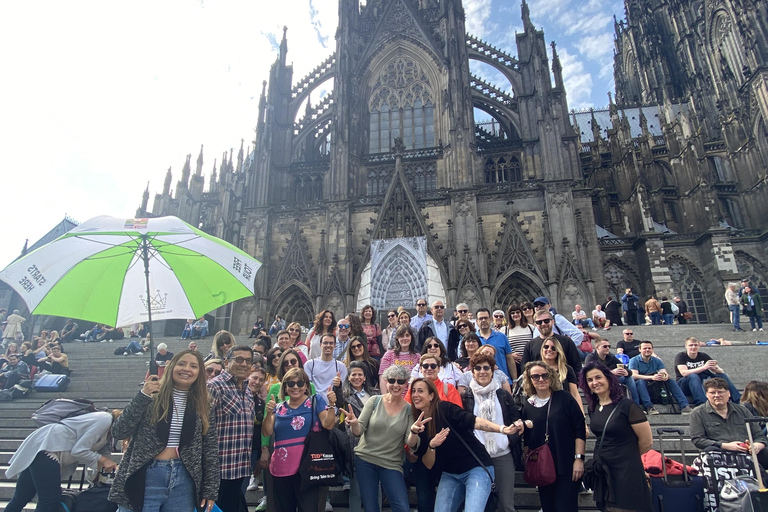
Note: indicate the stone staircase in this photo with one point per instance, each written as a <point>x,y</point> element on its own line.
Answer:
<point>111,381</point>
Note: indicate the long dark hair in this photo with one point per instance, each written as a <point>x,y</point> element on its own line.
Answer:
<point>511,323</point>
<point>319,328</point>
<point>271,369</point>
<point>347,386</point>
<point>434,406</point>
<point>281,369</point>
<point>443,357</point>
<point>616,393</point>
<point>197,393</point>
<point>349,358</point>
<point>400,331</point>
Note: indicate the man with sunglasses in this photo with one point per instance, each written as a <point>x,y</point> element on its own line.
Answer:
<point>441,329</point>
<point>234,406</point>
<point>325,372</point>
<point>462,314</point>
<point>561,325</point>
<point>544,329</point>
<point>342,338</point>
<point>602,355</point>
<point>421,315</point>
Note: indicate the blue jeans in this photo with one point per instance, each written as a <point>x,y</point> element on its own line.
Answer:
<point>674,389</point>
<point>585,322</point>
<point>655,318</point>
<point>756,320</point>
<point>632,387</point>
<point>735,316</point>
<point>134,348</point>
<point>42,477</point>
<point>167,488</point>
<point>472,487</point>
<point>669,319</point>
<point>370,475</point>
<point>693,385</point>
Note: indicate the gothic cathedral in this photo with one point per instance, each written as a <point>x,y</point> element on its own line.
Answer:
<point>665,191</point>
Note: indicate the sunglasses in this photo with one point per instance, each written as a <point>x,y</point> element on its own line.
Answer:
<point>526,308</point>
<point>543,321</point>
<point>290,362</point>
<point>213,371</point>
<point>538,304</point>
<point>355,347</point>
<point>605,346</point>
<point>548,347</point>
<point>539,376</point>
<point>484,368</point>
<point>399,381</point>
<point>343,326</point>
<point>276,356</point>
<point>433,345</point>
<point>391,316</point>
<point>629,333</point>
<point>462,311</point>
<point>498,316</point>
<point>429,366</point>
<point>516,313</point>
<point>438,307</point>
<point>421,305</point>
<point>463,326</point>
<point>295,384</point>
<point>293,330</point>
<point>241,360</point>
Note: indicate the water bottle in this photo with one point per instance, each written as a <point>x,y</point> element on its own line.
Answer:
<point>664,395</point>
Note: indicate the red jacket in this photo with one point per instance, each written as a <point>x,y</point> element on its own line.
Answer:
<point>652,464</point>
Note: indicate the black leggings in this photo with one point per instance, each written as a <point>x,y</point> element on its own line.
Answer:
<point>231,497</point>
<point>561,496</point>
<point>288,498</point>
<point>42,477</point>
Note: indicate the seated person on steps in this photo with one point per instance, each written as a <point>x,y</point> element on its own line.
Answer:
<point>647,369</point>
<point>693,368</point>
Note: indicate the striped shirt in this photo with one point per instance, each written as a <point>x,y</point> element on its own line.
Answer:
<point>518,337</point>
<point>234,424</point>
<point>177,419</point>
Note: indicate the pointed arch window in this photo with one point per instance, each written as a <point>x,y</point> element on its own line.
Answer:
<point>401,105</point>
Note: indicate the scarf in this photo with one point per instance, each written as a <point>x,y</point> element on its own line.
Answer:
<point>486,400</point>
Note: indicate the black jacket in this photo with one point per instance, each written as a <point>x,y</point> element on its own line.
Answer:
<point>532,351</point>
<point>453,338</point>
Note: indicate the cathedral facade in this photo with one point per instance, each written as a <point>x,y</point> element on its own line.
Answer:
<point>664,191</point>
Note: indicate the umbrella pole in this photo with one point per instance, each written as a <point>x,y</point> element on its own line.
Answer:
<point>145,257</point>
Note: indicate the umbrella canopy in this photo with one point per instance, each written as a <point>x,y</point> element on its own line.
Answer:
<point>97,272</point>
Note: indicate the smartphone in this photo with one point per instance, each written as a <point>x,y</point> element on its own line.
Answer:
<point>620,366</point>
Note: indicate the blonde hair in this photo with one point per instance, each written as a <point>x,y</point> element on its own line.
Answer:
<point>197,394</point>
<point>554,382</point>
<point>562,365</point>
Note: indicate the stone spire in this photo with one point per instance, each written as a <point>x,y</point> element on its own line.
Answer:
<point>199,168</point>
<point>185,172</point>
<point>557,68</point>
<point>167,183</point>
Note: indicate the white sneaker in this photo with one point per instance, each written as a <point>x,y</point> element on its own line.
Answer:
<point>754,330</point>
<point>262,505</point>
<point>253,484</point>
<point>760,329</point>
<point>328,507</point>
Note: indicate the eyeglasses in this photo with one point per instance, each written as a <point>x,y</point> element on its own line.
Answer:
<point>433,345</point>
<point>213,371</point>
<point>484,368</point>
<point>343,326</point>
<point>293,330</point>
<point>290,362</point>
<point>498,316</point>
<point>438,307</point>
<point>462,311</point>
<point>539,376</point>
<point>399,381</point>
<point>483,318</point>
<point>355,347</point>
<point>295,383</point>
<point>429,366</point>
<point>241,360</point>
<point>543,321</point>
<point>515,312</point>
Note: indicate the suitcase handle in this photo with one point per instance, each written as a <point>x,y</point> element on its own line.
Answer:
<point>669,430</point>
<point>756,420</point>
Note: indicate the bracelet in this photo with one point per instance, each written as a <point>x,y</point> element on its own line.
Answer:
<point>414,433</point>
<point>501,429</point>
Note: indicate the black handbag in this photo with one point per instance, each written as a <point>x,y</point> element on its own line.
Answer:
<point>318,466</point>
<point>493,499</point>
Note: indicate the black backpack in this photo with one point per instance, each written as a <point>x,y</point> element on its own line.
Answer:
<point>94,500</point>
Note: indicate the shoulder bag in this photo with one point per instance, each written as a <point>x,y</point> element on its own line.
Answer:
<point>539,464</point>
<point>318,466</point>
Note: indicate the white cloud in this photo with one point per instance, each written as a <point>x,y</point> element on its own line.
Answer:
<point>578,81</point>
<point>477,14</point>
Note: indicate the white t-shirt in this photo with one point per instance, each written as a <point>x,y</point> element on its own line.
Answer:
<point>322,373</point>
<point>599,314</point>
<point>579,315</point>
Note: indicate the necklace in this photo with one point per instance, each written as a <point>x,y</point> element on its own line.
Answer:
<point>602,405</point>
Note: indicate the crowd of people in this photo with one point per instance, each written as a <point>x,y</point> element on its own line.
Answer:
<point>449,404</point>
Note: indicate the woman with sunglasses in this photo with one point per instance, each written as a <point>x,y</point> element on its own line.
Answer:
<point>325,323</point>
<point>290,421</point>
<point>384,426</point>
<point>498,375</point>
<point>464,327</point>
<point>428,367</point>
<point>273,366</point>
<point>487,399</point>
<point>529,312</point>
<point>222,342</point>
<point>356,392</point>
<point>357,350</point>
<point>294,331</point>
<point>448,445</point>
<point>447,371</point>
<point>519,332</point>
<point>553,355</point>
<point>552,416</point>
<point>388,334</point>
<point>172,461</point>
<point>404,354</point>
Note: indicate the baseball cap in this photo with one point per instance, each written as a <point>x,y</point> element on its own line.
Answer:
<point>543,300</point>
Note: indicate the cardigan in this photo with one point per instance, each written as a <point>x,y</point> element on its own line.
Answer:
<point>198,452</point>
<point>84,437</point>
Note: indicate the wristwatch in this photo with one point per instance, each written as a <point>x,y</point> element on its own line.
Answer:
<point>579,456</point>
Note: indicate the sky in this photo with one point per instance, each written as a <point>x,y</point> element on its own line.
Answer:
<point>100,98</point>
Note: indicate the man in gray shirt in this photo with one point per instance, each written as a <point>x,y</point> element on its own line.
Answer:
<point>721,423</point>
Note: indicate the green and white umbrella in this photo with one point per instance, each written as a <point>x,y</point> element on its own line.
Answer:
<point>125,271</point>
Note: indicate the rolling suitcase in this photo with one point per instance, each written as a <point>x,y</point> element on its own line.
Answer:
<point>52,382</point>
<point>744,493</point>
<point>676,493</point>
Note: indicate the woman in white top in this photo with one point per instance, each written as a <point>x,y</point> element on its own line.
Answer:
<point>51,454</point>
<point>294,331</point>
<point>325,323</point>
<point>448,373</point>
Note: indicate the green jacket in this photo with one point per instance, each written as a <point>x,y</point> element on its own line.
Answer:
<point>757,310</point>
